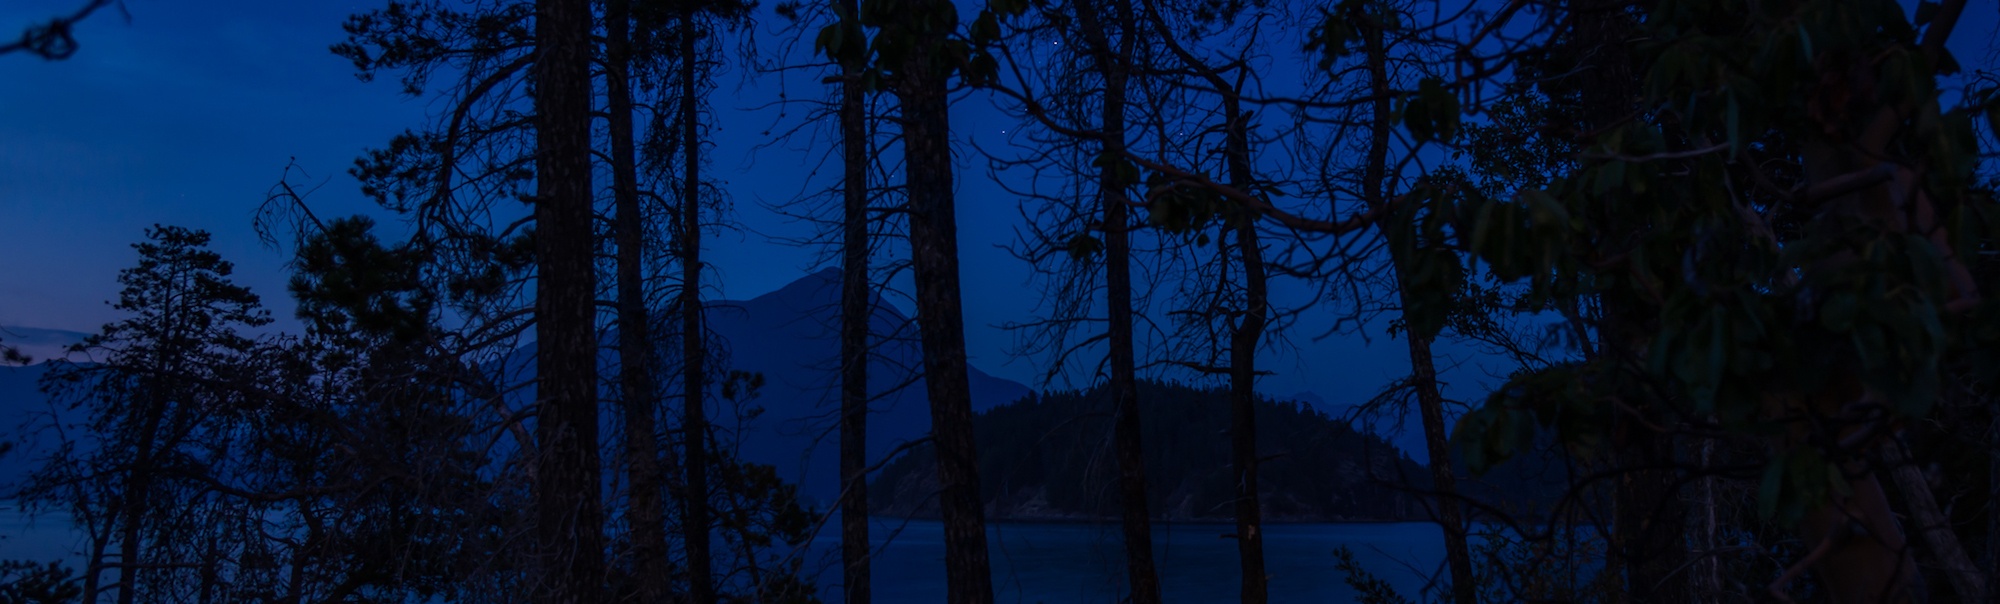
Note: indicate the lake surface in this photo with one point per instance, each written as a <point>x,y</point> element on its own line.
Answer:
<point>1078,562</point>
<point>1041,562</point>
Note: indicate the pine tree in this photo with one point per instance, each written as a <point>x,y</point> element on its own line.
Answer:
<point>915,51</point>
<point>569,513</point>
<point>155,399</point>
<point>638,395</point>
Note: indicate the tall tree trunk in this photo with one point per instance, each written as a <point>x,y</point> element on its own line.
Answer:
<point>1243,342</point>
<point>1649,518</point>
<point>1932,526</point>
<point>1430,403</point>
<point>1874,563</point>
<point>1248,331</point>
<point>701,584</point>
<point>1140,571</point>
<point>646,512</point>
<point>1243,417</point>
<point>1423,368</point>
<point>138,487</point>
<point>1993,495</point>
<point>1867,559</point>
<point>854,543</point>
<point>93,572</point>
<point>920,88</point>
<point>569,519</point>
<point>1112,65</point>
<point>1705,582</point>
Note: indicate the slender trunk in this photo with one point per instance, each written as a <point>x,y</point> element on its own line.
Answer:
<point>854,543</point>
<point>1145,580</point>
<point>94,572</point>
<point>295,586</point>
<point>138,486</point>
<point>1649,517</point>
<point>1430,403</point>
<point>701,584</point>
<point>1243,418</point>
<point>646,513</point>
<point>1423,368</point>
<point>1111,64</point>
<point>1932,526</point>
<point>1705,577</point>
<point>940,318</point>
<point>1867,559</point>
<point>569,518</point>
<point>1243,344</point>
<point>1248,331</point>
<point>1876,564</point>
<point>1993,495</point>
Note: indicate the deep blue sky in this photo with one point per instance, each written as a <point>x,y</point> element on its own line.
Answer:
<point>190,111</point>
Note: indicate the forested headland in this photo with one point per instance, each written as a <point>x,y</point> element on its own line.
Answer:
<point>1046,458</point>
<point>1736,262</point>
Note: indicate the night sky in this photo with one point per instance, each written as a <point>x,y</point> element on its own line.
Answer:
<point>190,111</point>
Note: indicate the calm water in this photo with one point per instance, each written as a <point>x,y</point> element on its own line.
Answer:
<point>1035,562</point>
<point>1043,562</point>
<point>1085,563</point>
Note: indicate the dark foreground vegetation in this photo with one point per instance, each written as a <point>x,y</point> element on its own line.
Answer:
<point>1739,256</point>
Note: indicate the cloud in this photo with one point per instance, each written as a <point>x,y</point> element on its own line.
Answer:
<point>39,343</point>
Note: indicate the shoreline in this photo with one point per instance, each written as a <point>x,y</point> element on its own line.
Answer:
<point>1227,522</point>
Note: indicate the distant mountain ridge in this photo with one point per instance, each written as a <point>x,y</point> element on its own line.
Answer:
<point>789,335</point>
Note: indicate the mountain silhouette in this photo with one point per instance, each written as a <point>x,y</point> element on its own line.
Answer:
<point>789,336</point>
